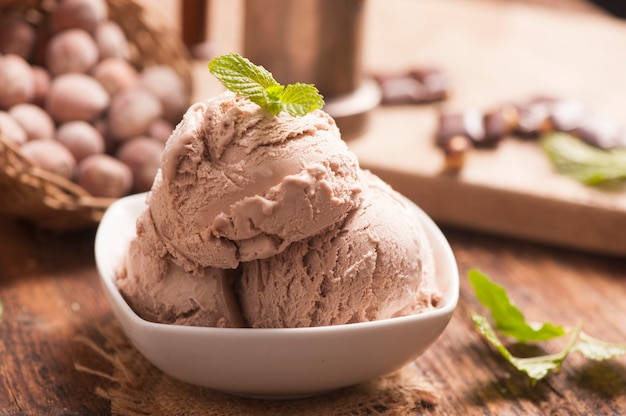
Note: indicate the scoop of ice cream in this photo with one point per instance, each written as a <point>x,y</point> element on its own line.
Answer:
<point>268,221</point>
<point>238,184</point>
<point>375,264</point>
<point>159,290</point>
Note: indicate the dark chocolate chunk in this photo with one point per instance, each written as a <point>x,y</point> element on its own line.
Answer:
<point>498,124</point>
<point>417,86</point>
<point>468,123</point>
<point>455,150</point>
<point>567,114</point>
<point>436,81</point>
<point>533,118</point>
<point>402,90</point>
<point>601,132</point>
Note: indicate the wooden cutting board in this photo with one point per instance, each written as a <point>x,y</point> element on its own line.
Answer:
<point>497,52</point>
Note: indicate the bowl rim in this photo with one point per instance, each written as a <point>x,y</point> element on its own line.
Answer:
<point>132,205</point>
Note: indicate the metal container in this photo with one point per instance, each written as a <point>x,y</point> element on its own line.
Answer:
<point>317,42</point>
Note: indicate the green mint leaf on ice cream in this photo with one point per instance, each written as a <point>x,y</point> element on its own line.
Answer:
<point>257,84</point>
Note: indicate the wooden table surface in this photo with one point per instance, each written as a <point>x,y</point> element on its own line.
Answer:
<point>51,297</point>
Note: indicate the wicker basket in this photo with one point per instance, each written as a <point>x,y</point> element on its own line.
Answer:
<point>48,200</point>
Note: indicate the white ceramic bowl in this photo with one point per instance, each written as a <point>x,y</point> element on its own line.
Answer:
<point>278,363</point>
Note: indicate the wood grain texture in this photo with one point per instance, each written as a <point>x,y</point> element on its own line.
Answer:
<point>548,284</point>
<point>51,295</point>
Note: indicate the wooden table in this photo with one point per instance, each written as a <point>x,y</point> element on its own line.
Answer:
<point>51,297</point>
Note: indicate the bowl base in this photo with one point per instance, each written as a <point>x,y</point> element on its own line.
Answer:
<point>279,396</point>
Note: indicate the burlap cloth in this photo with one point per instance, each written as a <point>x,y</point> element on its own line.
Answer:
<point>135,387</point>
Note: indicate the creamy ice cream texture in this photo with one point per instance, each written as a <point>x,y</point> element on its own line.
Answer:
<point>375,264</point>
<point>238,184</point>
<point>268,221</point>
<point>160,290</point>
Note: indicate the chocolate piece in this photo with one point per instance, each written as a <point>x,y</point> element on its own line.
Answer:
<point>567,114</point>
<point>498,124</point>
<point>436,81</point>
<point>417,86</point>
<point>600,131</point>
<point>455,150</point>
<point>402,90</point>
<point>533,119</point>
<point>468,123</point>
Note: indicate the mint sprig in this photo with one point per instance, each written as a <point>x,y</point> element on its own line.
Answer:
<point>583,162</point>
<point>535,368</point>
<point>508,318</point>
<point>257,84</point>
<point>510,321</point>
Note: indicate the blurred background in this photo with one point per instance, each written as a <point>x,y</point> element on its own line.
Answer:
<point>401,78</point>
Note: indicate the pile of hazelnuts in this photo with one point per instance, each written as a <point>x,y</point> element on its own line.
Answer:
<point>73,102</point>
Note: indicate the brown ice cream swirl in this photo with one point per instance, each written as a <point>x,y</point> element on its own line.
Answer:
<point>238,184</point>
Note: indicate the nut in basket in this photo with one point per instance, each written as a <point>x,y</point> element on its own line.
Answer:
<point>90,90</point>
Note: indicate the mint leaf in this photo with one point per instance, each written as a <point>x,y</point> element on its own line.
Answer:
<point>510,321</point>
<point>257,84</point>
<point>299,99</point>
<point>583,162</point>
<point>598,350</point>
<point>535,367</point>
<point>508,318</point>
<point>240,75</point>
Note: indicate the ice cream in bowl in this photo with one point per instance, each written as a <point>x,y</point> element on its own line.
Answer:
<point>265,261</point>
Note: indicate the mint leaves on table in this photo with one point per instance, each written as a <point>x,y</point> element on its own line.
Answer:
<point>257,84</point>
<point>583,162</point>
<point>510,321</point>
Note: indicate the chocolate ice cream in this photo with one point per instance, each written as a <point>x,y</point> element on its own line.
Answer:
<point>256,220</point>
<point>238,184</point>
<point>375,264</point>
<point>159,290</point>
